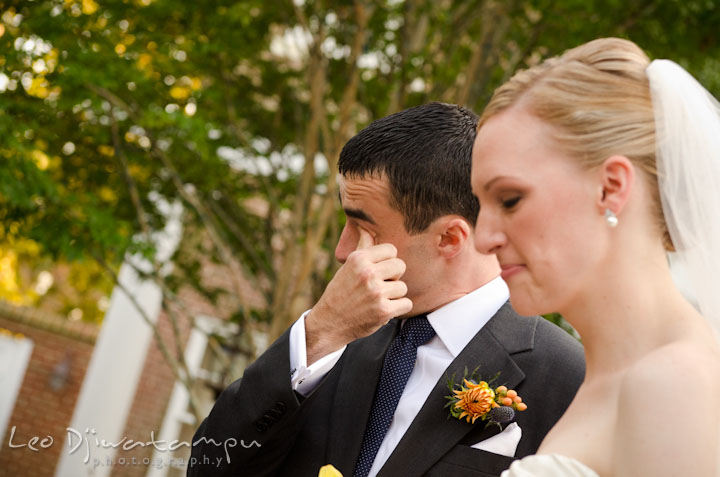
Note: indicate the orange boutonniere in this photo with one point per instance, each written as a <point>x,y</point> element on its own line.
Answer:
<point>474,399</point>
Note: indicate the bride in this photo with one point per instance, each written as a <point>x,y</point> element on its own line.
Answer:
<point>589,168</point>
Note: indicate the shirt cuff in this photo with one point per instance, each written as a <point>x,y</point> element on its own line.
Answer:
<point>303,378</point>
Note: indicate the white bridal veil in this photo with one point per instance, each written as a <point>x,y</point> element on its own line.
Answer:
<point>687,120</point>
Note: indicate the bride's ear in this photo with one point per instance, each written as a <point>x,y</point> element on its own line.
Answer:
<point>617,177</point>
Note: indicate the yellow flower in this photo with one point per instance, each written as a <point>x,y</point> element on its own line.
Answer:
<point>474,400</point>
<point>329,471</point>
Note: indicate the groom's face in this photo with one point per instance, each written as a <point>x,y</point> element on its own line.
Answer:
<point>366,203</point>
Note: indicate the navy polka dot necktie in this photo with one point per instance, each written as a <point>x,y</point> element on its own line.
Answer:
<point>399,363</point>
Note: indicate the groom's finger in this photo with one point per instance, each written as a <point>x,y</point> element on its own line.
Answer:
<point>367,248</point>
<point>366,240</point>
<point>400,306</point>
<point>390,268</point>
<point>394,289</point>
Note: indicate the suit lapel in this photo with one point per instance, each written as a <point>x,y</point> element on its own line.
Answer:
<point>432,434</point>
<point>354,396</point>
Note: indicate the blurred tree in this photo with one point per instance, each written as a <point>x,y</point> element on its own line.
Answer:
<point>239,110</point>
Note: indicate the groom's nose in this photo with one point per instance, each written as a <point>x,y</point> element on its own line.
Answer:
<point>347,243</point>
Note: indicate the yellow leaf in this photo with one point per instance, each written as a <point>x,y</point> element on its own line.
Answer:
<point>195,83</point>
<point>42,161</point>
<point>89,7</point>
<point>144,61</point>
<point>139,173</point>
<point>38,87</point>
<point>329,471</point>
<point>106,150</point>
<point>120,48</point>
<point>179,92</point>
<point>51,59</point>
<point>8,274</point>
<point>26,247</point>
<point>107,194</point>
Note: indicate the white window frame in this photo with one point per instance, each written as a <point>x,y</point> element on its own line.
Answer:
<point>15,353</point>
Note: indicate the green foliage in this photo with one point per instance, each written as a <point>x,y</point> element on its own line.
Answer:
<point>557,319</point>
<point>106,107</point>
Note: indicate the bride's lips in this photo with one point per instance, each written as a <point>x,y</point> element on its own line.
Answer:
<point>511,269</point>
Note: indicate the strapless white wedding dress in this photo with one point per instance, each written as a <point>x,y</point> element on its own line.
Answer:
<point>548,465</point>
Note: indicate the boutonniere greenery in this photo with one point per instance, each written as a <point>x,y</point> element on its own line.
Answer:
<point>474,399</point>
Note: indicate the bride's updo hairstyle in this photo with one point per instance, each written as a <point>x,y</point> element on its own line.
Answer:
<point>597,98</point>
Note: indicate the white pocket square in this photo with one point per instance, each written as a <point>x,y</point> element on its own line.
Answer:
<point>504,443</point>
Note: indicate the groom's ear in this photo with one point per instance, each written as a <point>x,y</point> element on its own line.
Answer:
<point>454,231</point>
<point>617,177</point>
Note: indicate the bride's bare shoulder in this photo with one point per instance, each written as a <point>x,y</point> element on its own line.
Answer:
<point>674,372</point>
<point>686,360</point>
<point>668,415</point>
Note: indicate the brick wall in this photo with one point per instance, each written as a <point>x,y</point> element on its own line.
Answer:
<point>40,410</point>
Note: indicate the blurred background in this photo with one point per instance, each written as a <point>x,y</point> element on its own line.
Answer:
<point>168,199</point>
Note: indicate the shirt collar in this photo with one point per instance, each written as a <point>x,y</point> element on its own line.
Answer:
<point>459,321</point>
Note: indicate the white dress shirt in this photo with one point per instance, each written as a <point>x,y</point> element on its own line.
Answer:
<point>455,324</point>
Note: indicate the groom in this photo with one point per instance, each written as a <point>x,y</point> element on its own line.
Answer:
<point>349,385</point>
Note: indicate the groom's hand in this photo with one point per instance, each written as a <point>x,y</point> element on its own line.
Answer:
<point>365,293</point>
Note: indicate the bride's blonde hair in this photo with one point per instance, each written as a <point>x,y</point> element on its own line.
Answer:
<point>597,98</point>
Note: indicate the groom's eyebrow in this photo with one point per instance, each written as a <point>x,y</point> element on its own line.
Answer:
<point>358,214</point>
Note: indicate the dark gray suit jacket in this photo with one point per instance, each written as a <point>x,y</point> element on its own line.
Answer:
<point>299,435</point>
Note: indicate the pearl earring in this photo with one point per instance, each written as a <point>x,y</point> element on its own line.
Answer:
<point>611,218</point>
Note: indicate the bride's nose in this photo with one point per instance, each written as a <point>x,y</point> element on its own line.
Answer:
<point>489,238</point>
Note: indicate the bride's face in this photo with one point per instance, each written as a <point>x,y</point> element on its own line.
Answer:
<point>537,212</point>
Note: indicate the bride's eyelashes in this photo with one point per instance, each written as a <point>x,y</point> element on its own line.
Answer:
<point>510,203</point>
<point>506,202</point>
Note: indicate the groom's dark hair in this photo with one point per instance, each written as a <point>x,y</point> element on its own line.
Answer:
<point>425,153</point>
